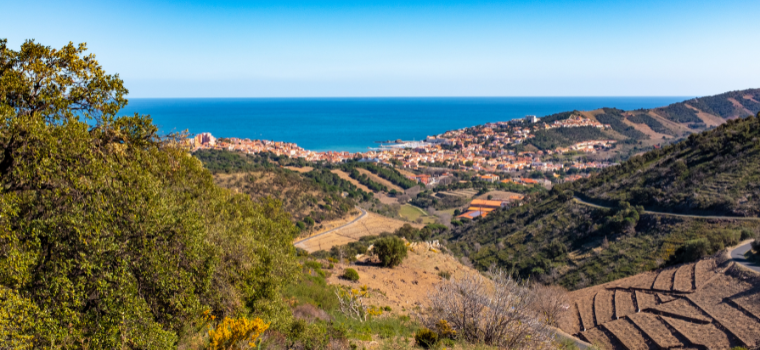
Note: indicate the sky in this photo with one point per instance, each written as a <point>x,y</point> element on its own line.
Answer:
<point>367,48</point>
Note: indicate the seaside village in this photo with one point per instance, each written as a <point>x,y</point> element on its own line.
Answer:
<point>486,148</point>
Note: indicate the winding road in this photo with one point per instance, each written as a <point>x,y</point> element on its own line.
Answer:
<point>737,254</point>
<point>364,214</point>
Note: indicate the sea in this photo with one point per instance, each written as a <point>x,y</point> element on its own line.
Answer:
<point>356,124</point>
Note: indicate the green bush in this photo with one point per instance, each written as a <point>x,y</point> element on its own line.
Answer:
<point>756,245</point>
<point>425,338</point>
<point>351,275</point>
<point>746,234</point>
<point>391,251</point>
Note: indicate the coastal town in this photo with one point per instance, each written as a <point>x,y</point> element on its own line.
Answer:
<point>489,148</point>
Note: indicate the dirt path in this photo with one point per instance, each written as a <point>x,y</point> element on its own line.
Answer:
<point>737,254</point>
<point>718,217</point>
<point>364,214</point>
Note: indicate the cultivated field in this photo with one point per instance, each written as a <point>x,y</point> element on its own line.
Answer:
<point>692,306</point>
<point>412,213</point>
<point>468,193</point>
<point>372,224</point>
<point>380,180</point>
<point>343,175</point>
<point>305,169</point>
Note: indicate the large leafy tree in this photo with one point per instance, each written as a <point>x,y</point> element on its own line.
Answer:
<point>111,235</point>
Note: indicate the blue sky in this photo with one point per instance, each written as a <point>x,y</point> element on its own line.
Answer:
<point>406,48</point>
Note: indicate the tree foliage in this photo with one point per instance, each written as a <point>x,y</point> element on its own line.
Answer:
<point>112,236</point>
<point>390,250</point>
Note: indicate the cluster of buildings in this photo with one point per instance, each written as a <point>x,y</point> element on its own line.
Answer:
<point>482,207</point>
<point>488,148</point>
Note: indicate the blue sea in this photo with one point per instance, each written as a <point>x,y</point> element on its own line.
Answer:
<point>354,124</point>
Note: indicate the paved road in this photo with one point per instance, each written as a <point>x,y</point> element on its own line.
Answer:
<point>742,218</point>
<point>738,255</point>
<point>364,214</point>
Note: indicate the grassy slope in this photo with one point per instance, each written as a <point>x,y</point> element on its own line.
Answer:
<point>316,194</point>
<point>555,239</point>
<point>715,172</point>
<point>685,114</point>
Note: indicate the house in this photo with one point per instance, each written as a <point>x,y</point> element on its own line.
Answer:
<point>489,177</point>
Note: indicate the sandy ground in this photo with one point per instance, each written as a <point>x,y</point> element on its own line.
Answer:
<point>407,285</point>
<point>372,224</point>
<point>709,119</point>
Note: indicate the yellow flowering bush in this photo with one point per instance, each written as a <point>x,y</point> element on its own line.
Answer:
<point>232,331</point>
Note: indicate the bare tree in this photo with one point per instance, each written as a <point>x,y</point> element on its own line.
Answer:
<point>549,302</point>
<point>497,314</point>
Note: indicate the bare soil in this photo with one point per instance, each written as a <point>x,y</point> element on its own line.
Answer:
<point>684,278</point>
<point>603,308</point>
<point>720,313</point>
<point>405,286</point>
<point>711,300</point>
<point>627,333</point>
<point>664,280</point>
<point>655,329</point>
<point>682,308</point>
<point>623,303</point>
<point>645,300</point>
<point>700,334</point>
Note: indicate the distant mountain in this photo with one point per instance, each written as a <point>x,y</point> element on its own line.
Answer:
<point>555,238</point>
<point>656,125</point>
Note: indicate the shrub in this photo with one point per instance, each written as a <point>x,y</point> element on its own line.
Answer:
<point>496,313</point>
<point>425,338</point>
<point>445,330</point>
<point>391,251</point>
<point>746,234</point>
<point>232,331</point>
<point>351,275</point>
<point>756,245</point>
<point>444,274</point>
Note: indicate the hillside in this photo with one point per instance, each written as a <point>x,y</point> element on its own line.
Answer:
<point>310,197</point>
<point>714,172</point>
<point>649,127</point>
<point>557,239</point>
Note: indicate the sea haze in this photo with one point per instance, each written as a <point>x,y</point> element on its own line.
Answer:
<point>354,124</point>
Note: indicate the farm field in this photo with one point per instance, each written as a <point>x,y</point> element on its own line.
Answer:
<point>498,195</point>
<point>372,224</point>
<point>328,225</point>
<point>380,180</point>
<point>305,169</point>
<point>467,193</point>
<point>692,306</point>
<point>412,213</point>
<point>343,175</point>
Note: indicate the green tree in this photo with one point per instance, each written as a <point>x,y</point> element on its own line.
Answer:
<point>114,237</point>
<point>391,251</point>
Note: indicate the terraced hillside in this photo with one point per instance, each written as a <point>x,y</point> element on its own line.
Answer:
<point>691,306</point>
<point>715,172</point>
<point>711,178</point>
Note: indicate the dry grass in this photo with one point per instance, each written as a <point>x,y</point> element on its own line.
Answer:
<point>305,169</point>
<point>406,286</point>
<point>343,175</point>
<point>372,224</point>
<point>380,180</point>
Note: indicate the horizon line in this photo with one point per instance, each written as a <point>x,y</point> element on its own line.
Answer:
<point>380,97</point>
